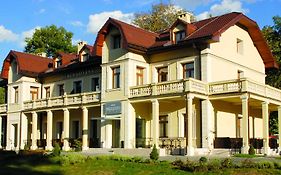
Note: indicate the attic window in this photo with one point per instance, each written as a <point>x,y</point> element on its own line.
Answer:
<point>179,36</point>
<point>116,41</point>
<point>239,46</point>
<point>85,57</point>
<point>58,62</point>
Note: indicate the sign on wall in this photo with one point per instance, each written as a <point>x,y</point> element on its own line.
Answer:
<point>112,108</point>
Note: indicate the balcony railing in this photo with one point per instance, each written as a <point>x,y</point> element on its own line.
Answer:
<point>169,87</point>
<point>3,108</point>
<point>74,99</point>
<point>213,88</point>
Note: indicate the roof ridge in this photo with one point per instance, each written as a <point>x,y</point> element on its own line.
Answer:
<point>215,18</point>
<point>31,54</point>
<point>137,27</point>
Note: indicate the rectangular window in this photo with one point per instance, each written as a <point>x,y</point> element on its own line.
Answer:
<point>95,84</point>
<point>180,35</point>
<point>16,99</point>
<point>85,57</point>
<point>162,74</point>
<point>77,87</point>
<point>116,77</point>
<point>58,63</point>
<point>188,70</point>
<point>33,93</point>
<point>239,46</point>
<point>48,92</point>
<point>116,41</point>
<point>163,126</point>
<point>139,75</point>
<point>61,89</point>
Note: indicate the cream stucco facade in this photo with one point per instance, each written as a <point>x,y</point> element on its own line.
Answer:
<point>188,98</point>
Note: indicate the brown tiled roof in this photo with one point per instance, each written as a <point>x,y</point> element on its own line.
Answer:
<point>28,64</point>
<point>67,57</point>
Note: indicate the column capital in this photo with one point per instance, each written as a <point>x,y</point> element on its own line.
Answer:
<point>34,113</point>
<point>265,103</point>
<point>244,97</point>
<point>189,96</point>
<point>154,101</point>
<point>65,110</point>
<point>279,108</point>
<point>49,111</point>
<point>84,108</point>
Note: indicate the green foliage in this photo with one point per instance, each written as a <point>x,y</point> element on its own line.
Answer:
<point>51,40</point>
<point>161,17</point>
<point>57,150</point>
<point>203,160</point>
<point>227,163</point>
<point>26,146</point>
<point>72,159</point>
<point>154,153</point>
<point>77,145</point>
<point>2,95</point>
<point>252,150</point>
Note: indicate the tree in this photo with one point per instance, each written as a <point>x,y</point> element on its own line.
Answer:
<point>50,39</point>
<point>273,36</point>
<point>161,17</point>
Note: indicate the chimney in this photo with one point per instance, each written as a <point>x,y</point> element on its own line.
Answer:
<point>187,17</point>
<point>42,54</point>
<point>80,46</point>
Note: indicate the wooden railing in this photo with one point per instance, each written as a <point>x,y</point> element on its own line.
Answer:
<point>65,100</point>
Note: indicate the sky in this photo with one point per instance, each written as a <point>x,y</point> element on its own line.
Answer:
<point>19,19</point>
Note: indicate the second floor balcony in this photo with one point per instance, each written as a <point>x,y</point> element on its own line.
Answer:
<point>65,100</point>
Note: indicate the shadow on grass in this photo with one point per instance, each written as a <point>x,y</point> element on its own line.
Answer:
<point>13,164</point>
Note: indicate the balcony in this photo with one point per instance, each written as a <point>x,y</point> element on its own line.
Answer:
<point>3,108</point>
<point>66,100</point>
<point>213,88</point>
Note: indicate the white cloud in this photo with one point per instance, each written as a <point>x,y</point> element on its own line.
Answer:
<point>225,6</point>
<point>191,4</point>
<point>7,35</point>
<point>26,34</point>
<point>97,20</point>
<point>77,23</point>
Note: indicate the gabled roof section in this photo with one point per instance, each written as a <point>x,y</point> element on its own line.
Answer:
<point>88,47</point>
<point>132,36</point>
<point>67,57</point>
<point>28,64</point>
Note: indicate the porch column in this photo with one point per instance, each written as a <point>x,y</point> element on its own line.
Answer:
<point>279,128</point>
<point>245,117</point>
<point>190,148</point>
<point>0,132</point>
<point>155,121</point>
<point>66,130</point>
<point>266,149</point>
<point>49,130</point>
<point>24,131</point>
<point>34,131</point>
<point>85,129</point>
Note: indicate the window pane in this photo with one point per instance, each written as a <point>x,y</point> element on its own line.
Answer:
<point>95,84</point>
<point>188,70</point>
<point>116,77</point>
<point>163,74</point>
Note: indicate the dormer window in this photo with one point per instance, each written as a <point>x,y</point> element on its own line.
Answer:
<point>116,41</point>
<point>58,62</point>
<point>85,57</point>
<point>179,36</point>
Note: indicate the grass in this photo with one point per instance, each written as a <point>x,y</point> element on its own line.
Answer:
<point>103,165</point>
<point>247,155</point>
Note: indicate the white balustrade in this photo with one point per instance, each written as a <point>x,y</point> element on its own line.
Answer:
<point>3,108</point>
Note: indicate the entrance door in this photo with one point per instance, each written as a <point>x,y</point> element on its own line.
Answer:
<point>94,136</point>
<point>140,133</point>
<point>115,133</point>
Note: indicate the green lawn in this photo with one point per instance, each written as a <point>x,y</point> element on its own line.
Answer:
<point>77,164</point>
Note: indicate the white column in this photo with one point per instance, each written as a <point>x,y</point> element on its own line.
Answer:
<point>130,123</point>
<point>66,130</point>
<point>8,140</point>
<point>24,131</point>
<point>0,132</point>
<point>245,116</point>
<point>85,129</point>
<point>34,131</point>
<point>155,122</point>
<point>49,130</point>
<point>279,128</point>
<point>208,126</point>
<point>190,148</point>
<point>180,125</point>
<point>266,149</point>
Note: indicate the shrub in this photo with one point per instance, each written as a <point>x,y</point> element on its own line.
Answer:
<point>265,165</point>
<point>57,150</point>
<point>248,163</point>
<point>154,154</point>
<point>72,159</point>
<point>214,165</point>
<point>178,163</point>
<point>227,163</point>
<point>203,160</point>
<point>77,145</point>
<point>26,146</point>
<point>252,150</point>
